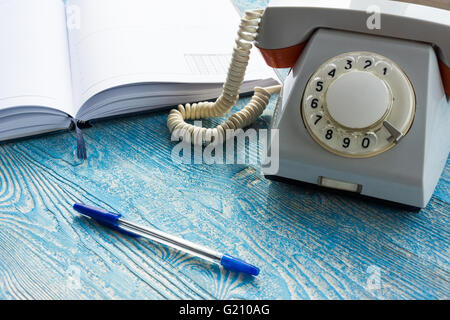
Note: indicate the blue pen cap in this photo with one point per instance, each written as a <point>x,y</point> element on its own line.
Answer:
<point>238,265</point>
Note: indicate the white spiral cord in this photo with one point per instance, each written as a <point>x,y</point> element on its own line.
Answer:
<point>248,30</point>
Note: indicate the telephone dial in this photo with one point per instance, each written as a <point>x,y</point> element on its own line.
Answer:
<point>363,109</point>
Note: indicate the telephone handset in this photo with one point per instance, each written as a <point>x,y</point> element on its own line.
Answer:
<point>363,109</point>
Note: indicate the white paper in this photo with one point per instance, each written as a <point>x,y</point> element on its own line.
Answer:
<point>121,42</point>
<point>34,57</point>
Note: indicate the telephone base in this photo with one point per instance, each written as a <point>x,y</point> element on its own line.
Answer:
<point>408,172</point>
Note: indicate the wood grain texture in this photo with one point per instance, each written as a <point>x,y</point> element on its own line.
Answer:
<point>309,243</point>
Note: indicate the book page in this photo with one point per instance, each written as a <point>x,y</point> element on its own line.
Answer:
<point>133,41</point>
<point>34,56</point>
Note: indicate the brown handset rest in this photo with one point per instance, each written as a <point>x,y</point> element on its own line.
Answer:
<point>287,25</point>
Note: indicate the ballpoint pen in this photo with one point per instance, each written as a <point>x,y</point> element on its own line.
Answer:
<point>114,221</point>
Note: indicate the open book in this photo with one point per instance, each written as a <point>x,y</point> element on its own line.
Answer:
<point>81,60</point>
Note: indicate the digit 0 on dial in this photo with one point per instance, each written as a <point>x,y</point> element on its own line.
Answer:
<point>358,104</point>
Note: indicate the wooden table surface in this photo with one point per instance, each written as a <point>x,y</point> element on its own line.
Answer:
<point>309,243</point>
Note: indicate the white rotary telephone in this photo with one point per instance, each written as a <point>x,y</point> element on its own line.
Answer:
<point>365,108</point>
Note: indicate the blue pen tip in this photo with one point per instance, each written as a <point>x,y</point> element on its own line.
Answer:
<point>238,265</point>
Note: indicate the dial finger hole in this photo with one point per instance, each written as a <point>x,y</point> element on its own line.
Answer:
<point>317,121</point>
<point>383,68</point>
<point>318,85</point>
<point>330,72</point>
<point>368,142</point>
<point>328,134</point>
<point>365,63</point>
<point>348,143</point>
<point>348,63</point>
<point>314,102</point>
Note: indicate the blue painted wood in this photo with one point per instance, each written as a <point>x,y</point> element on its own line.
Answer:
<point>308,243</point>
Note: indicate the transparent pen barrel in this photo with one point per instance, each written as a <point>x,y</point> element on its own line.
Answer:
<point>171,241</point>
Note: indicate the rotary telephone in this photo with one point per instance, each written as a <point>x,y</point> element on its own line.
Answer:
<point>364,107</point>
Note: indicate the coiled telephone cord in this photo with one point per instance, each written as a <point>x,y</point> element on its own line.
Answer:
<point>248,30</point>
